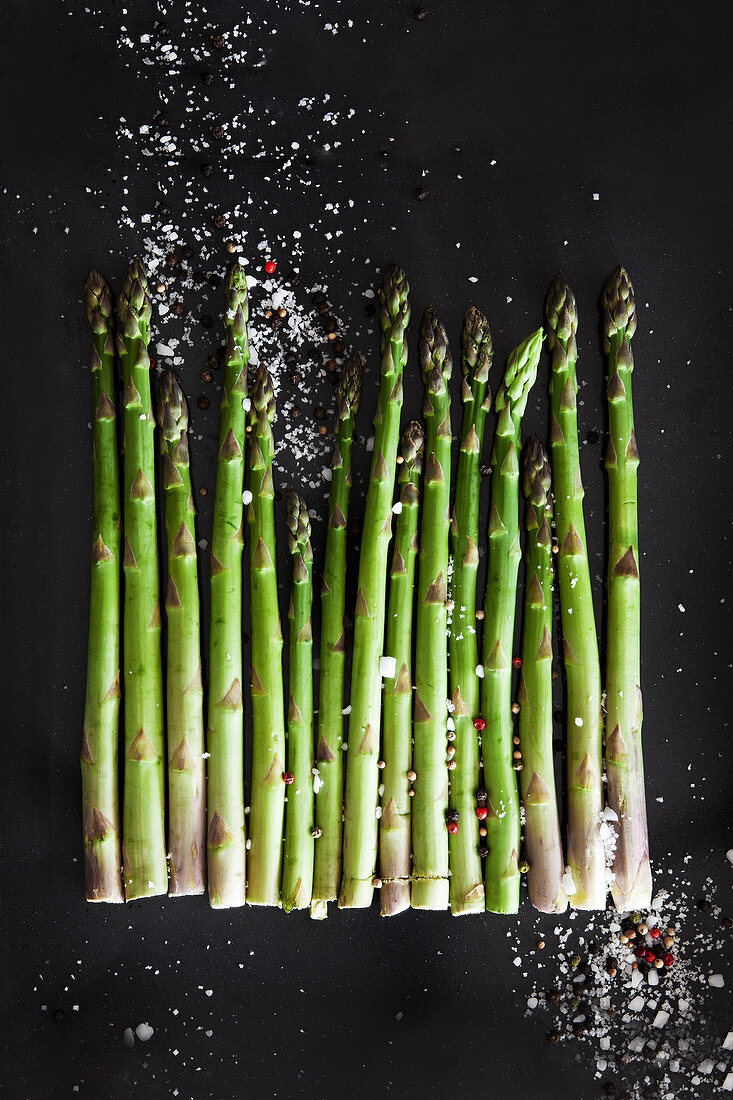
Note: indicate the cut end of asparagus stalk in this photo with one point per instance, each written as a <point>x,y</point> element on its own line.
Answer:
<point>619,308</point>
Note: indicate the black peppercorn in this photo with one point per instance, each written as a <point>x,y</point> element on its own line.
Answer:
<point>482,796</point>
<point>452,815</point>
<point>177,309</point>
<point>207,79</point>
<point>219,41</point>
<point>207,170</point>
<point>217,132</point>
<point>483,851</point>
<point>207,320</point>
<point>339,347</point>
<point>203,401</point>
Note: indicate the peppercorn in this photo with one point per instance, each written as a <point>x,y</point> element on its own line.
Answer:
<point>553,1037</point>
<point>654,933</point>
<point>203,491</point>
<point>177,309</point>
<point>203,401</point>
<point>217,131</point>
<point>482,796</point>
<point>289,358</point>
<point>171,259</point>
<point>482,830</point>
<point>479,724</point>
<point>316,831</point>
<point>574,961</point>
<point>483,851</point>
<point>482,813</point>
<point>515,708</point>
<point>516,662</point>
<point>213,362</point>
<point>207,320</point>
<point>452,826</point>
<point>219,41</point>
<point>523,867</point>
<point>296,412</point>
<point>339,347</point>
<point>219,221</point>
<point>288,778</point>
<point>703,904</point>
<point>668,959</point>
<point>206,376</point>
<point>207,79</point>
<point>320,413</point>
<point>381,764</point>
<point>412,775</point>
<point>484,470</point>
<point>330,324</point>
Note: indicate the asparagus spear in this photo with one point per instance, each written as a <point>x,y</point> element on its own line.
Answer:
<point>394,824</point>
<point>329,758</point>
<point>537,778</point>
<point>268,718</point>
<point>297,883</point>
<point>631,883</point>
<point>466,884</point>
<point>584,727</point>
<point>144,868</point>
<point>184,693</point>
<point>429,834</point>
<point>100,794</point>
<point>501,874</point>
<point>360,817</point>
<point>225,726</point>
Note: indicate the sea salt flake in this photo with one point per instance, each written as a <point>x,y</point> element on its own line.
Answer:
<point>706,1066</point>
<point>636,1004</point>
<point>728,1041</point>
<point>717,981</point>
<point>144,1032</point>
<point>660,1019</point>
<point>387,667</point>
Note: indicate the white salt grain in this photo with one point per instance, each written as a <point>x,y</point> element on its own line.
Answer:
<point>717,981</point>
<point>144,1032</point>
<point>660,1019</point>
<point>387,667</point>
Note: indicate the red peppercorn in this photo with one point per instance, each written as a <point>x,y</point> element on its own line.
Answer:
<point>649,955</point>
<point>288,778</point>
<point>668,959</point>
<point>452,826</point>
<point>516,662</point>
<point>654,933</point>
<point>270,266</point>
<point>640,952</point>
<point>482,813</point>
<point>479,724</point>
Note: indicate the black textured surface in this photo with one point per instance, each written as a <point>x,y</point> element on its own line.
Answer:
<point>627,101</point>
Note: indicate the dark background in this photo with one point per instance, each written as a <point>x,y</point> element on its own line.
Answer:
<point>628,101</point>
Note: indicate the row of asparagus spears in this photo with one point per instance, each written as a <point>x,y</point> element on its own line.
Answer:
<point>427,809</point>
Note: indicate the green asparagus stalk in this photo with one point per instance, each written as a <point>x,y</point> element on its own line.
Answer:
<point>360,807</point>
<point>297,882</point>
<point>466,883</point>
<point>394,824</point>
<point>537,777</point>
<point>429,833</point>
<point>268,718</point>
<point>501,873</point>
<point>584,724</point>
<point>225,724</point>
<point>631,883</point>
<point>100,793</point>
<point>184,690</point>
<point>144,867</point>
<point>329,755</point>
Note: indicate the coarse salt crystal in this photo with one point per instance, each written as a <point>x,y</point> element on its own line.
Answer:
<point>532,1002</point>
<point>717,981</point>
<point>604,1042</point>
<point>728,1083</point>
<point>480,671</point>
<point>660,1019</point>
<point>387,666</point>
<point>143,1032</point>
<point>728,1041</point>
<point>706,1066</point>
<point>636,1004</point>
<point>637,1044</point>
<point>397,507</point>
<point>246,497</point>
